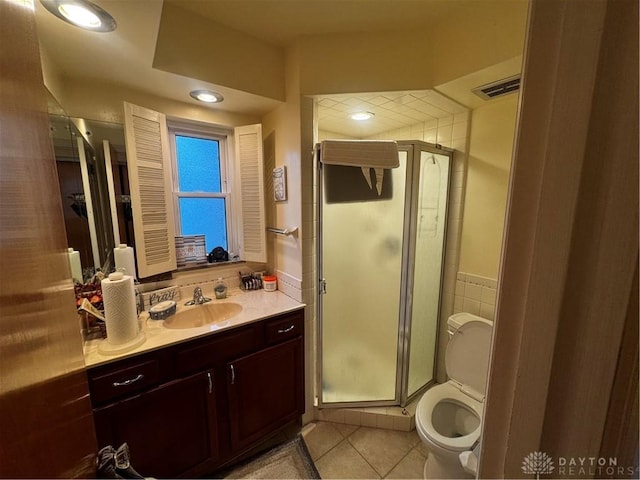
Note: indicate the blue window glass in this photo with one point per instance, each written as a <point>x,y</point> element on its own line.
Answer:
<point>198,164</point>
<point>205,216</point>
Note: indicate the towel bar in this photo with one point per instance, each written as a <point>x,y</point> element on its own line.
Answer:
<point>283,231</point>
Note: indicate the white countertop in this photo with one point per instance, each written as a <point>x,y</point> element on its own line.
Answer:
<point>256,305</point>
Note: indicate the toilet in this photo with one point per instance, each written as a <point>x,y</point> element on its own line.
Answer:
<point>448,416</point>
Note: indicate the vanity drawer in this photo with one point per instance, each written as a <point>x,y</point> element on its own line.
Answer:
<point>203,354</point>
<point>284,327</point>
<point>108,385</point>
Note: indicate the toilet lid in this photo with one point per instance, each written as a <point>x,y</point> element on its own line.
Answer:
<point>467,355</point>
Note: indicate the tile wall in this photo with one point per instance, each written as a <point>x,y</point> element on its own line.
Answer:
<point>389,418</point>
<point>449,131</point>
<point>475,294</point>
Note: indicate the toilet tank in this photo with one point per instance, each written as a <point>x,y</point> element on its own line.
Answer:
<point>457,319</point>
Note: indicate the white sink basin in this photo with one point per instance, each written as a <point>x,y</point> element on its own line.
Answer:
<point>205,314</point>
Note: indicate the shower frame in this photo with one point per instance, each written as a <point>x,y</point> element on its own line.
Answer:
<point>402,398</point>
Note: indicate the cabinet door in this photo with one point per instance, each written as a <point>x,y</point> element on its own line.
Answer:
<point>171,430</point>
<point>265,391</point>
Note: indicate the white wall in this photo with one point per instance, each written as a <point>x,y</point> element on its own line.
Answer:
<point>284,124</point>
<point>490,149</point>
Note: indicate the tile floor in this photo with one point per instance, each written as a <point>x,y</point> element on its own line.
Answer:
<point>348,451</point>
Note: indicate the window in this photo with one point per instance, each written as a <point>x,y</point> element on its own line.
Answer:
<point>201,195</point>
<point>202,198</point>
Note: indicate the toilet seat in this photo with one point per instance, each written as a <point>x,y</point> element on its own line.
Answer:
<point>424,413</point>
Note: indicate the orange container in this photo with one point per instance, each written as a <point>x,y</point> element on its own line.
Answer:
<point>270,283</point>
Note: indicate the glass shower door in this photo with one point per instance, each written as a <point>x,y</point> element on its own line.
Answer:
<point>427,251</point>
<point>361,240</point>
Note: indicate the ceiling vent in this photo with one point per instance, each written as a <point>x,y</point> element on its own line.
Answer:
<point>499,88</point>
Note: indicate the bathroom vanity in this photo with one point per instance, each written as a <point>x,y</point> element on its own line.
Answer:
<point>187,408</point>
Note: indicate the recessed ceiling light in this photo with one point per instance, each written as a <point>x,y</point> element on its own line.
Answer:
<point>207,96</point>
<point>361,116</point>
<point>81,13</point>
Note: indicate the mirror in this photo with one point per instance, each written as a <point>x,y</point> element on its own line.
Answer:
<point>94,186</point>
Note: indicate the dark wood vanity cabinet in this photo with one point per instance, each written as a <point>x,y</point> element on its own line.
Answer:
<point>265,390</point>
<point>187,409</point>
<point>170,429</point>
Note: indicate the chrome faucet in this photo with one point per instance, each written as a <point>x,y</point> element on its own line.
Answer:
<point>198,297</point>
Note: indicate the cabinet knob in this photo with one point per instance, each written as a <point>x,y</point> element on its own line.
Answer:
<point>124,383</point>
<point>233,375</point>
<point>286,330</point>
<point>210,382</point>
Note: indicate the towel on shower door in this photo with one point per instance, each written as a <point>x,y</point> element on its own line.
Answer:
<point>366,154</point>
<point>379,172</point>
<point>360,153</point>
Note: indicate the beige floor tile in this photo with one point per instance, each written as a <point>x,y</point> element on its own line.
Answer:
<point>422,448</point>
<point>321,439</point>
<point>411,466</point>
<point>344,462</point>
<point>383,449</point>
<point>345,429</point>
<point>416,437</point>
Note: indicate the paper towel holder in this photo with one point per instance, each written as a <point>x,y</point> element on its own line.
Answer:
<point>122,322</point>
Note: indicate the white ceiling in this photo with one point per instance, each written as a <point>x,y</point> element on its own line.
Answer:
<point>124,57</point>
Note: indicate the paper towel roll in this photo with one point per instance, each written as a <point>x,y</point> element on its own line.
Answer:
<point>124,259</point>
<point>76,267</point>
<point>120,314</point>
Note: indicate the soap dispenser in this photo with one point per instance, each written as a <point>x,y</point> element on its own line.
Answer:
<point>220,289</point>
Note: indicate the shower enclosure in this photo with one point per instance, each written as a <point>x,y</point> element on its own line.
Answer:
<point>380,261</point>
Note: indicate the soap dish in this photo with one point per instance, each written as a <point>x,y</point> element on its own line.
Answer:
<point>162,310</point>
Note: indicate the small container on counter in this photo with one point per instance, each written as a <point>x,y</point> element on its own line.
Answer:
<point>250,281</point>
<point>220,289</point>
<point>270,283</point>
<point>162,310</point>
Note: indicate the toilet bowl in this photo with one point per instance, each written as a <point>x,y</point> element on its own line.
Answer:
<point>448,416</point>
<point>448,422</point>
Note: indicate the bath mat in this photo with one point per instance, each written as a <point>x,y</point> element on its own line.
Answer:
<point>291,460</point>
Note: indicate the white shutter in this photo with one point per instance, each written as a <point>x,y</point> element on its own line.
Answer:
<point>253,245</point>
<point>149,165</point>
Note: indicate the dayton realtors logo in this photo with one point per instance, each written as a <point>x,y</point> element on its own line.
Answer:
<point>585,467</point>
<point>536,463</point>
<point>539,463</point>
